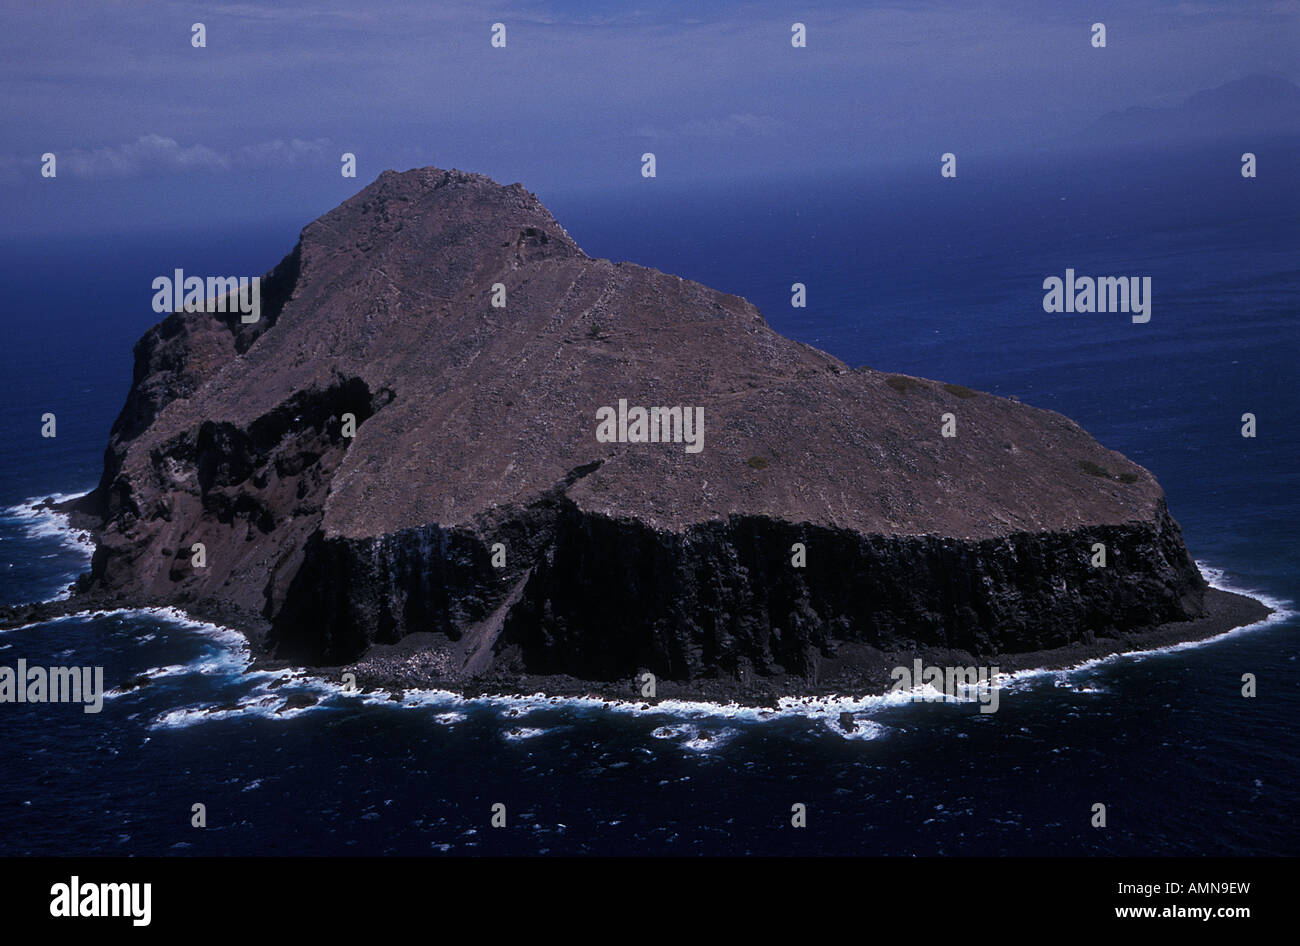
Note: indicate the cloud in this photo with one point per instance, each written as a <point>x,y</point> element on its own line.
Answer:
<point>157,154</point>
<point>282,154</point>
<point>151,153</point>
<point>732,126</point>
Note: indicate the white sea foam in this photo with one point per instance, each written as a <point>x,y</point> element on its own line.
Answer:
<point>863,729</point>
<point>261,706</point>
<point>695,738</point>
<point>710,740</point>
<point>40,522</point>
<point>519,733</point>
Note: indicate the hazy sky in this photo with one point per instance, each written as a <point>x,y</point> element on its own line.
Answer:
<point>152,131</point>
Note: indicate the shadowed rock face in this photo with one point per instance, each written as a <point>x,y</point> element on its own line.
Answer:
<point>476,425</point>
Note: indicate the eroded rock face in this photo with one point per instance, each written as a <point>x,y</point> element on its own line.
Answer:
<point>475,427</point>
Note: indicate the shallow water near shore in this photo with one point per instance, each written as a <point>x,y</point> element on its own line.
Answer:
<point>1184,763</point>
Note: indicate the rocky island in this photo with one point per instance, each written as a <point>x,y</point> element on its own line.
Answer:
<point>398,469</point>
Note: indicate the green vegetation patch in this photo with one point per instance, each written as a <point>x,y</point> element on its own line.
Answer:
<point>1093,469</point>
<point>903,384</point>
<point>960,390</point>
<point>757,463</point>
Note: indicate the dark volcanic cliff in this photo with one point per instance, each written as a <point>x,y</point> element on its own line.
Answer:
<point>476,426</point>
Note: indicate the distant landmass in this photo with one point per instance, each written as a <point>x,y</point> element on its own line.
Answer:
<point>1256,105</point>
<point>454,449</point>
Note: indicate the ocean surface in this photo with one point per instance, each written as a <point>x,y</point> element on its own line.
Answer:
<point>904,272</point>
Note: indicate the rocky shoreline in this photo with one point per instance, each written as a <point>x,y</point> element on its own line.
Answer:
<point>414,662</point>
<point>863,671</point>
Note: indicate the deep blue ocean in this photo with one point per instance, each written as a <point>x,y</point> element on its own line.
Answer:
<point>904,272</point>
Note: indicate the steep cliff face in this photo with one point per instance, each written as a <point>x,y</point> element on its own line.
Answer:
<point>600,598</point>
<point>474,503</point>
